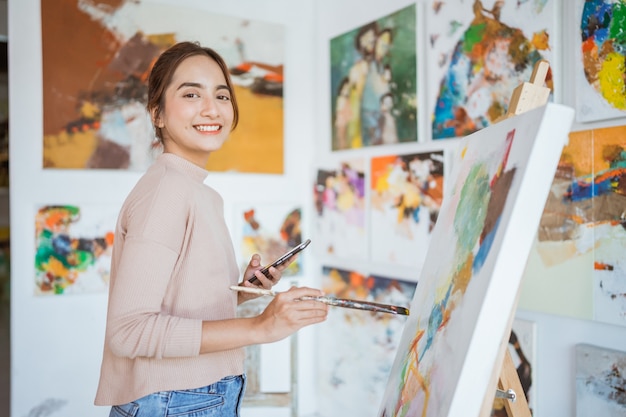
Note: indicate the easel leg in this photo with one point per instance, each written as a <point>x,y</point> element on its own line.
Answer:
<point>510,380</point>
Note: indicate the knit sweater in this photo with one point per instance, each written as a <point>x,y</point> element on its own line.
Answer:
<point>172,265</point>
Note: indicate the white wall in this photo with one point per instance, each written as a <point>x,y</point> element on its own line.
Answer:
<point>57,341</point>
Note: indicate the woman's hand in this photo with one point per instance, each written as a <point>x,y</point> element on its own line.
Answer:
<point>253,269</point>
<point>286,313</point>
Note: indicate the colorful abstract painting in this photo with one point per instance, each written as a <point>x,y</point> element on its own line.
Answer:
<point>270,230</point>
<point>600,60</point>
<point>373,83</point>
<point>356,348</point>
<point>477,53</point>
<point>583,226</point>
<point>466,291</point>
<point>339,196</point>
<point>73,249</point>
<point>405,196</point>
<point>600,381</point>
<point>95,83</point>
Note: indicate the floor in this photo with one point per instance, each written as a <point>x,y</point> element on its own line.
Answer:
<point>5,359</point>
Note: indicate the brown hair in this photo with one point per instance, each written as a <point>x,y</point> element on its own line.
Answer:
<point>163,70</point>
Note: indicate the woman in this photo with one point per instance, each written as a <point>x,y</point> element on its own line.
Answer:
<point>173,343</point>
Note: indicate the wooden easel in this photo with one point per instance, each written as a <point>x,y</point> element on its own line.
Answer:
<point>525,97</point>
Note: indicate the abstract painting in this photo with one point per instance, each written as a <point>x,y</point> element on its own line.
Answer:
<point>583,228</point>
<point>600,381</point>
<point>339,196</point>
<point>446,361</point>
<point>406,191</point>
<point>477,53</point>
<point>356,348</point>
<point>600,59</point>
<point>73,249</point>
<point>270,230</point>
<point>95,83</point>
<point>373,83</point>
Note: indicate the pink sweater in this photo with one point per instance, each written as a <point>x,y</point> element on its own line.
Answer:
<point>172,265</point>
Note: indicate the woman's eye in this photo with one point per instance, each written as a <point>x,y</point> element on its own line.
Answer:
<point>223,97</point>
<point>191,95</point>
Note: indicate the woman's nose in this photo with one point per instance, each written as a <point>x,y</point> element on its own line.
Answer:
<point>209,107</point>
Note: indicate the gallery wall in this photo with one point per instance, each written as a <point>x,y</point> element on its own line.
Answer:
<point>556,332</point>
<point>57,341</point>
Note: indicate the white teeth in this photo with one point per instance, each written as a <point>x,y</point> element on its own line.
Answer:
<point>204,128</point>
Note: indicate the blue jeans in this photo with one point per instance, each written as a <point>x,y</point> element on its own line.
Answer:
<point>222,399</point>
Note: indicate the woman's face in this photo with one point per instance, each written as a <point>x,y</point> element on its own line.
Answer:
<point>197,114</point>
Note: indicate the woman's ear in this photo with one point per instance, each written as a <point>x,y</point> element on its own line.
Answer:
<point>156,119</point>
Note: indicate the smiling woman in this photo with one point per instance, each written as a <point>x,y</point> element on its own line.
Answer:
<point>171,320</point>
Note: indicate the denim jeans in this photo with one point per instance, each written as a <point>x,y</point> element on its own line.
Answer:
<point>222,399</point>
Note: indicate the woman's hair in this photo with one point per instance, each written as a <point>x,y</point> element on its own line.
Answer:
<point>163,70</point>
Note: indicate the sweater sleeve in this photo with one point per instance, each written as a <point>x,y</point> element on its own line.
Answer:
<point>154,228</point>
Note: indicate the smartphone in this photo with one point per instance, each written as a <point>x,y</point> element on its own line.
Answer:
<point>266,269</point>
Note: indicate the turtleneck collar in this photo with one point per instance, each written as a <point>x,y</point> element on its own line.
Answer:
<point>181,164</point>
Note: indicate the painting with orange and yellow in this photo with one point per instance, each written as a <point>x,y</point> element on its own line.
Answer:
<point>95,83</point>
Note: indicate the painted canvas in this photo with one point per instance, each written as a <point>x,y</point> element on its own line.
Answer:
<point>339,197</point>
<point>373,83</point>
<point>582,229</point>
<point>73,248</point>
<point>356,348</point>
<point>270,230</point>
<point>600,381</point>
<point>600,59</point>
<point>477,53</point>
<point>95,83</point>
<point>466,291</point>
<point>522,349</point>
<point>406,191</point>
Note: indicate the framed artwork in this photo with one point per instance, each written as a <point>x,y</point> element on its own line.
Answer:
<point>600,382</point>
<point>406,191</point>
<point>95,83</point>
<point>356,348</point>
<point>374,82</point>
<point>600,57</point>
<point>477,53</point>
<point>582,230</point>
<point>339,196</point>
<point>270,230</point>
<point>73,248</point>
<point>450,346</point>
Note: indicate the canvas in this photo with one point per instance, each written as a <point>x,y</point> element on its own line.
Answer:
<point>95,82</point>
<point>582,230</point>
<point>600,56</point>
<point>477,53</point>
<point>406,191</point>
<point>600,383</point>
<point>339,198</point>
<point>356,348</point>
<point>73,248</point>
<point>373,83</point>
<point>451,343</point>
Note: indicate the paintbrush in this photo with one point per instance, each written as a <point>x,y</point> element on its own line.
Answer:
<point>337,302</point>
